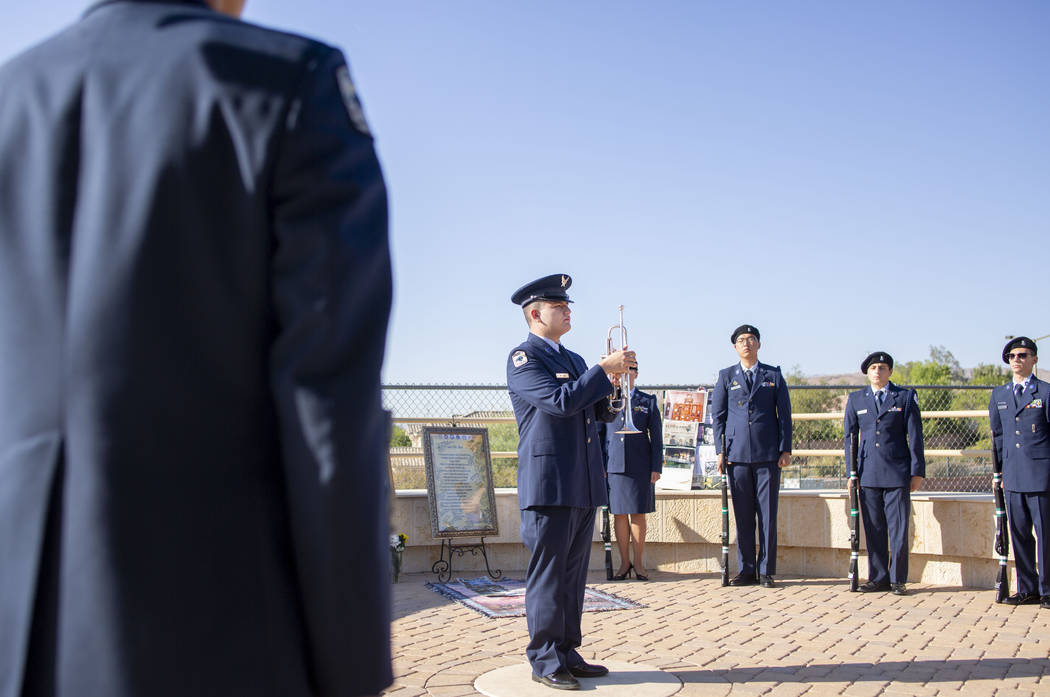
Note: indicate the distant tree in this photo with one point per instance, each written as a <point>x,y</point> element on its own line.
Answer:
<point>399,439</point>
<point>809,434</point>
<point>931,373</point>
<point>989,374</point>
<point>504,438</point>
<point>943,357</point>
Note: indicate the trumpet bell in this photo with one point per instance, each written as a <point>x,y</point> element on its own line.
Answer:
<point>628,423</point>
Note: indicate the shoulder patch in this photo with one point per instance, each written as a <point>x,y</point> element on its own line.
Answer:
<point>518,358</point>
<point>350,100</point>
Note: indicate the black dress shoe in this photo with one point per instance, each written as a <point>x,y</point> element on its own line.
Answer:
<point>872,587</point>
<point>767,581</point>
<point>743,580</point>
<point>1044,602</point>
<point>560,680</point>
<point>899,589</point>
<point>625,575</point>
<point>1023,599</point>
<point>588,670</point>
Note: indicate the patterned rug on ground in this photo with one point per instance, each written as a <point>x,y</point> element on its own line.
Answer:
<point>506,597</point>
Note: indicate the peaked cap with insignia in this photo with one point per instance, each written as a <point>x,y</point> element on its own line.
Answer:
<point>1019,342</point>
<point>876,357</point>
<point>551,287</point>
<point>744,329</point>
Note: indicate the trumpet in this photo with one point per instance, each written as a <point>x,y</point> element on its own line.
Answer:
<point>620,399</point>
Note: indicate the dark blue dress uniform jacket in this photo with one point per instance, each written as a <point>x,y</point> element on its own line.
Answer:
<point>757,424</point>
<point>1022,435</point>
<point>194,293</point>
<point>636,456</point>
<point>640,454</point>
<point>558,403</point>
<point>890,449</point>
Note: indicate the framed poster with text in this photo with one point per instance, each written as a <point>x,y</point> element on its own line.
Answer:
<point>459,482</point>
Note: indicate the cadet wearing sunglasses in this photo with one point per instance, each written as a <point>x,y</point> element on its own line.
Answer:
<point>1020,417</point>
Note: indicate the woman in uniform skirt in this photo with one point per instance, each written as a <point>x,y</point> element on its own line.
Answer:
<point>633,463</point>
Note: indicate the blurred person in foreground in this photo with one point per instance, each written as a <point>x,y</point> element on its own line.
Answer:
<point>1019,412</point>
<point>194,293</point>
<point>633,464</point>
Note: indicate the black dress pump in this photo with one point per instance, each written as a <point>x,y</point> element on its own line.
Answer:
<point>625,575</point>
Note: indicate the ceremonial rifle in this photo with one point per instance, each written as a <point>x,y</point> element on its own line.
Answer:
<point>1002,535</point>
<point>854,519</point>
<point>607,539</point>
<point>725,513</point>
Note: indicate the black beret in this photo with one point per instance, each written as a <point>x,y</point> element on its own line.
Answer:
<point>876,357</point>
<point>551,287</point>
<point>744,329</point>
<point>1019,342</point>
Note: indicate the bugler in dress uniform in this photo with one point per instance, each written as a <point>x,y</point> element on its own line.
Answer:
<point>751,406</point>
<point>558,402</point>
<point>1020,417</point>
<point>891,465</point>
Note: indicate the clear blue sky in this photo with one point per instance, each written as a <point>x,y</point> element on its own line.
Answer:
<point>846,176</point>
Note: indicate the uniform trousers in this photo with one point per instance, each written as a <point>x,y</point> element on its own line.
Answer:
<point>756,493</point>
<point>885,512</point>
<point>559,538</point>
<point>1027,510</point>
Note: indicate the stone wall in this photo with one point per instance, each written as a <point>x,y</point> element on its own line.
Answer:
<point>951,537</point>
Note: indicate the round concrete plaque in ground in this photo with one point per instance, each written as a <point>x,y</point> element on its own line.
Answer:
<point>623,680</point>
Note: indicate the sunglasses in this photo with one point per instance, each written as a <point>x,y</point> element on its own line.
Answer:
<point>1021,355</point>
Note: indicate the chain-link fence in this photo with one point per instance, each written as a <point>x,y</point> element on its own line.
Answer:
<point>955,430</point>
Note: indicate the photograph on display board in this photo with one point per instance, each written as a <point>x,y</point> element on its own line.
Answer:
<point>682,405</point>
<point>681,434</point>
<point>682,456</point>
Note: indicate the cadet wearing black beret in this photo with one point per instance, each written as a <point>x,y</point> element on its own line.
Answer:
<point>1019,342</point>
<point>891,458</point>
<point>1019,412</point>
<point>745,329</point>
<point>876,357</point>
<point>751,408</point>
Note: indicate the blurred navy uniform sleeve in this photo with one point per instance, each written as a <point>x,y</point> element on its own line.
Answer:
<point>720,410</point>
<point>783,413</point>
<point>332,294</point>
<point>915,442</point>
<point>656,436</point>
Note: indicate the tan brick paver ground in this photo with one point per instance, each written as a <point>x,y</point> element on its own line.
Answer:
<point>807,637</point>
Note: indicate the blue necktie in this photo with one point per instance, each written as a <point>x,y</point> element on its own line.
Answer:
<point>747,378</point>
<point>1018,391</point>
<point>878,399</point>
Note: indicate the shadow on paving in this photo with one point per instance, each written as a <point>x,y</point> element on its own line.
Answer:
<point>887,671</point>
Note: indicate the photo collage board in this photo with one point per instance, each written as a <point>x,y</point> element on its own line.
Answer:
<point>689,452</point>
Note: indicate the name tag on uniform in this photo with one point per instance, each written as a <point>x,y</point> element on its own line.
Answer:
<point>1001,405</point>
<point>895,409</point>
<point>862,411</point>
<point>734,387</point>
<point>562,375</point>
